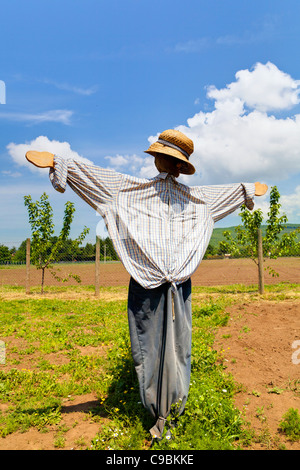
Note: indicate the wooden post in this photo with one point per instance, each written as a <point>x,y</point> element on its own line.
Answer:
<point>97,267</point>
<point>28,266</point>
<point>260,262</point>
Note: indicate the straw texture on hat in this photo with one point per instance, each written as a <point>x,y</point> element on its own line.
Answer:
<point>175,144</point>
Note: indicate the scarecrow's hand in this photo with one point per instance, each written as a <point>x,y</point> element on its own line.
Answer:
<point>260,189</point>
<point>40,159</point>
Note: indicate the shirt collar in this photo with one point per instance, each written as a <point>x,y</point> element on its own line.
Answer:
<point>163,175</point>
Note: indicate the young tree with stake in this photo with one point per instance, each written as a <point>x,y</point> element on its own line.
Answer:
<point>44,252</point>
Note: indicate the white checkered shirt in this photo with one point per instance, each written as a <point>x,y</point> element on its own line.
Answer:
<point>160,228</point>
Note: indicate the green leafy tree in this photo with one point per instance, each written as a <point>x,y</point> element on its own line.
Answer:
<point>45,249</point>
<point>210,251</point>
<point>20,254</point>
<point>244,241</point>
<point>88,252</point>
<point>109,250</point>
<point>5,254</point>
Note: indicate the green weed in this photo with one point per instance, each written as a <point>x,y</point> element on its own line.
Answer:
<point>290,424</point>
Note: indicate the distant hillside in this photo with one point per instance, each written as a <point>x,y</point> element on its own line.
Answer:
<point>217,235</point>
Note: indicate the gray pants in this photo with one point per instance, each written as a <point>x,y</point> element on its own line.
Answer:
<point>160,325</point>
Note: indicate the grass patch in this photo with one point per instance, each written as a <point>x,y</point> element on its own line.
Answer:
<point>281,287</point>
<point>290,424</point>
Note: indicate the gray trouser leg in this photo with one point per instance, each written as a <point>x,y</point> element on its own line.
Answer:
<point>161,346</point>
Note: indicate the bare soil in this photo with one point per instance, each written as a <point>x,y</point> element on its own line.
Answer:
<point>209,273</point>
<point>257,345</point>
<point>77,425</point>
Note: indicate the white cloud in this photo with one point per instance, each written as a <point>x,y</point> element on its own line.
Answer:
<point>236,144</point>
<point>57,115</point>
<point>290,204</point>
<point>239,140</point>
<point>133,165</point>
<point>265,88</point>
<point>119,161</point>
<point>142,166</point>
<point>42,143</point>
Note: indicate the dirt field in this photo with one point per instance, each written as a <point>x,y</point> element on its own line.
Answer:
<point>209,273</point>
<point>258,348</point>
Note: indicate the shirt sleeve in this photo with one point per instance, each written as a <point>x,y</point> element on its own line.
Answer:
<point>97,186</point>
<point>222,200</point>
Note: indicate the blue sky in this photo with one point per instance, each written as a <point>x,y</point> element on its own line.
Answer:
<point>99,80</point>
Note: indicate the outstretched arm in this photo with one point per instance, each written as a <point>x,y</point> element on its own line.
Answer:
<point>260,189</point>
<point>40,159</point>
<point>97,186</point>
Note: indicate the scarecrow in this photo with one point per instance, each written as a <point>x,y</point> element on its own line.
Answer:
<point>160,229</point>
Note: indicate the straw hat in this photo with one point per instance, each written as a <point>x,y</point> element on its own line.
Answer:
<point>175,144</point>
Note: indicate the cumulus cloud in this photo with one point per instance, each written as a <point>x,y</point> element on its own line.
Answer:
<point>42,143</point>
<point>133,165</point>
<point>240,139</point>
<point>265,88</point>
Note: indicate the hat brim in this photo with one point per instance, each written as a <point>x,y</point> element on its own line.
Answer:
<point>165,150</point>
